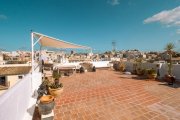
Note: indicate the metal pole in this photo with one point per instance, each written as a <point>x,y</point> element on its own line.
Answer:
<point>32,60</point>
<point>32,52</point>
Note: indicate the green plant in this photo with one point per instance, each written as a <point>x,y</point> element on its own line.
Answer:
<point>56,75</point>
<point>46,82</point>
<point>55,86</point>
<point>140,71</point>
<point>122,66</point>
<point>169,49</point>
<point>151,71</point>
<point>119,66</point>
<point>116,65</point>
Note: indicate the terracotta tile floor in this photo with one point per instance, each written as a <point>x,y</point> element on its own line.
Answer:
<point>109,95</point>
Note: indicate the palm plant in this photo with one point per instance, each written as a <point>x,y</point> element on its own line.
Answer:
<point>169,49</point>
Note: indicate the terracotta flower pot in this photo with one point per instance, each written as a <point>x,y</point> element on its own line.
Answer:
<point>56,92</point>
<point>46,99</point>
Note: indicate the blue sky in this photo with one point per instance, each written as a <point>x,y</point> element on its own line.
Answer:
<point>133,24</point>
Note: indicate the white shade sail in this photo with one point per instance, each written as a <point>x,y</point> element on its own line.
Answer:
<point>47,41</point>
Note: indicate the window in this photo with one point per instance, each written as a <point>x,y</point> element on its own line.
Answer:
<point>20,77</point>
<point>2,80</point>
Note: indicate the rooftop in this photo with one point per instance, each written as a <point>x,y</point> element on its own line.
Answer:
<point>14,70</point>
<point>109,95</point>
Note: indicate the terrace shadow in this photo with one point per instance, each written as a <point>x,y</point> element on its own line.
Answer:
<point>134,77</point>
<point>175,85</point>
<point>140,78</point>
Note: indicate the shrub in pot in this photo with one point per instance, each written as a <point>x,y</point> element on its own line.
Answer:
<point>119,66</point>
<point>151,73</point>
<point>140,71</point>
<point>56,89</point>
<point>122,67</point>
<point>43,88</point>
<point>56,74</point>
<point>82,69</point>
<point>116,65</point>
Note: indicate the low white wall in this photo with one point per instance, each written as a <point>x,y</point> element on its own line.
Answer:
<point>129,66</point>
<point>162,70</point>
<point>36,81</point>
<point>176,71</point>
<point>97,64</point>
<point>101,64</point>
<point>15,101</point>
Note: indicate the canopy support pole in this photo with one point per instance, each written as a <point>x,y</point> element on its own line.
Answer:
<point>32,59</point>
<point>32,52</point>
<point>32,56</point>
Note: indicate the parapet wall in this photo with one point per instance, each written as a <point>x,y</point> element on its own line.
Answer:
<point>163,68</point>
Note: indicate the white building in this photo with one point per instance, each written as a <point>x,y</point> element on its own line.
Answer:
<point>2,62</point>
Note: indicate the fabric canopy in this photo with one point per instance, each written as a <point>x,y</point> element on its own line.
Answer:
<point>56,43</point>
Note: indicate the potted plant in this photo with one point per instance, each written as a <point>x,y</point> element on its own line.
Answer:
<point>122,67</point>
<point>46,104</point>
<point>169,77</point>
<point>139,68</point>
<point>43,88</point>
<point>140,71</point>
<point>169,49</point>
<point>116,65</point>
<point>151,73</point>
<point>55,88</point>
<point>56,75</point>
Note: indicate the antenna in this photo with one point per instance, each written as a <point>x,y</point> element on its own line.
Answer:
<point>113,45</point>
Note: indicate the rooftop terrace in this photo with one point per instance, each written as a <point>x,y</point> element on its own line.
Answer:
<point>109,95</point>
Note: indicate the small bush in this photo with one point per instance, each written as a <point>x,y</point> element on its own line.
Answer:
<point>56,75</point>
<point>116,65</point>
<point>151,71</point>
<point>55,86</point>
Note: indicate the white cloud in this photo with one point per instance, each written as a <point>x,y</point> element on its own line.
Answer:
<point>167,17</point>
<point>113,2</point>
<point>3,17</point>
